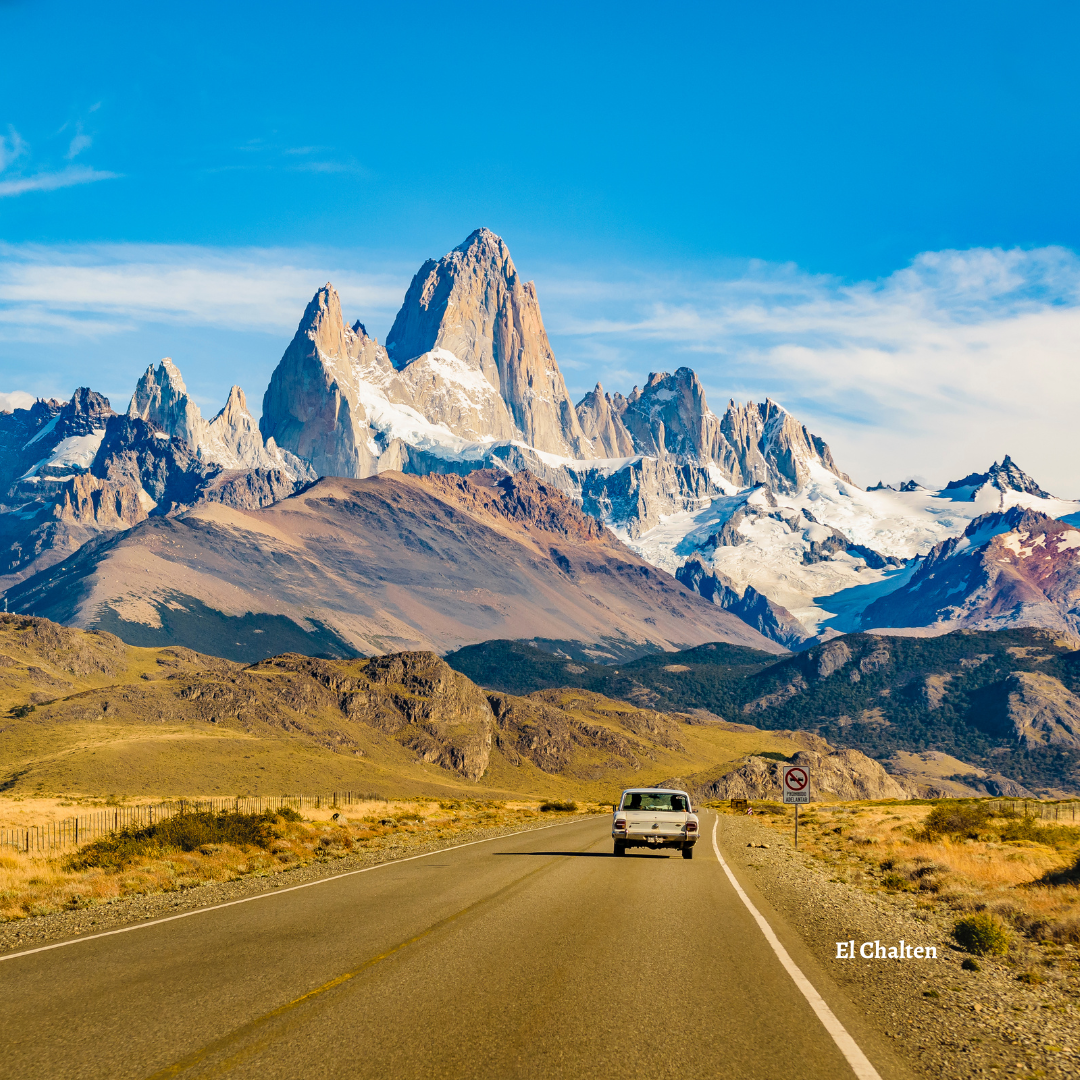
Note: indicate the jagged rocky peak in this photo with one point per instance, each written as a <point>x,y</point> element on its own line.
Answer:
<point>750,444</point>
<point>602,424</point>
<point>231,439</point>
<point>671,416</point>
<point>473,305</point>
<point>772,447</point>
<point>1008,476</point>
<point>312,407</point>
<point>87,411</point>
<point>162,399</point>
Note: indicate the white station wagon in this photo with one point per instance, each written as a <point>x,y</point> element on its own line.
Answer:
<point>655,818</point>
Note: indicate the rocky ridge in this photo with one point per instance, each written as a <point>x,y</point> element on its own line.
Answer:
<point>231,439</point>
<point>78,471</point>
<point>846,775</point>
<point>390,717</point>
<point>1014,568</point>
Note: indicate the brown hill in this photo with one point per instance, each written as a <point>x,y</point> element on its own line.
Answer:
<point>386,564</point>
<point>83,713</point>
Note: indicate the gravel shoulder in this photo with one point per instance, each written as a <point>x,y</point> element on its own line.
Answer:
<point>34,931</point>
<point>943,1021</point>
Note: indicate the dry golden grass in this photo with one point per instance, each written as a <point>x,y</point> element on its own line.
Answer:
<point>36,885</point>
<point>883,847</point>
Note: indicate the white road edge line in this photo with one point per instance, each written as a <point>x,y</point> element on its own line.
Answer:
<point>858,1061</point>
<point>276,892</point>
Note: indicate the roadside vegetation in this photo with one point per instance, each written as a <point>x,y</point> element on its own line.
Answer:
<point>1003,880</point>
<point>196,848</point>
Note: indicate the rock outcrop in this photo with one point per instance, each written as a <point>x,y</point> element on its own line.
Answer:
<point>771,620</point>
<point>838,774</point>
<point>603,427</point>
<point>162,400</point>
<point>1042,711</point>
<point>231,439</point>
<point>313,406</point>
<point>1008,476</point>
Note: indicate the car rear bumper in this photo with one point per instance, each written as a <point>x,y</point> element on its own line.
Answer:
<point>654,840</point>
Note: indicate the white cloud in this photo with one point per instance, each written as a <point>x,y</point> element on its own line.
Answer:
<point>78,144</point>
<point>108,288</point>
<point>12,147</point>
<point>51,181</point>
<point>17,399</point>
<point>938,369</point>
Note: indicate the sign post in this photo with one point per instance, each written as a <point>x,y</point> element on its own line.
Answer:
<point>796,790</point>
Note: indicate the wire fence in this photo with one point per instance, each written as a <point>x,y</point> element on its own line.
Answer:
<point>84,828</point>
<point>1045,811</point>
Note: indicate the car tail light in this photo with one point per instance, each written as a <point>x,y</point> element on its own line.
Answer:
<point>620,823</point>
<point>691,826</point>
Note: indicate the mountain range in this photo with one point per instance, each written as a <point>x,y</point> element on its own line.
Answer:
<point>365,510</point>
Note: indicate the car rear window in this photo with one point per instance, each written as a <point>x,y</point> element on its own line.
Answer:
<point>655,800</point>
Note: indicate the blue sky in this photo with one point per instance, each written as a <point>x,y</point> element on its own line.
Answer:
<point>770,193</point>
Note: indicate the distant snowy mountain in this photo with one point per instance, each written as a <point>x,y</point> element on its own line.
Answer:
<point>830,550</point>
<point>748,508</point>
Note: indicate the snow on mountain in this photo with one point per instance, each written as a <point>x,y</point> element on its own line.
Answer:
<point>771,544</point>
<point>1017,567</point>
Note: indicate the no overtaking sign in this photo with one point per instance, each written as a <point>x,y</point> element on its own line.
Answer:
<point>796,784</point>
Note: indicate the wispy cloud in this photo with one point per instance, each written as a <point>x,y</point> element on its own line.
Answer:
<point>12,148</point>
<point>51,181</point>
<point>77,145</point>
<point>21,177</point>
<point>101,290</point>
<point>945,365</point>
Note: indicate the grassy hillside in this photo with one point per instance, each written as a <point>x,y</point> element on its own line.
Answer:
<point>83,713</point>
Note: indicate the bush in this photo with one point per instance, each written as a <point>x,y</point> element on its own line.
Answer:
<point>956,819</point>
<point>1026,828</point>
<point>892,880</point>
<point>983,934</point>
<point>970,964</point>
<point>558,807</point>
<point>184,832</point>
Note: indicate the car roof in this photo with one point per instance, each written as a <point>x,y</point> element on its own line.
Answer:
<point>642,790</point>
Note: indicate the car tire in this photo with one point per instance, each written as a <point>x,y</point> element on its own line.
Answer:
<point>688,851</point>
<point>620,847</point>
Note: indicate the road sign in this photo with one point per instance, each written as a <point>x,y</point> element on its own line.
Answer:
<point>796,784</point>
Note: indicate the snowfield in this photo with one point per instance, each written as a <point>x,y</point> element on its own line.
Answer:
<point>829,596</point>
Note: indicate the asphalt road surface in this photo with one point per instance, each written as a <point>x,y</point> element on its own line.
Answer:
<point>534,956</point>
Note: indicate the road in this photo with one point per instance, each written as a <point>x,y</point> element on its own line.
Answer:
<point>533,956</point>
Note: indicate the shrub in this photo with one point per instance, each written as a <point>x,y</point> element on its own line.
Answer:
<point>184,832</point>
<point>558,807</point>
<point>892,880</point>
<point>1026,828</point>
<point>983,934</point>
<point>970,964</point>
<point>953,818</point>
